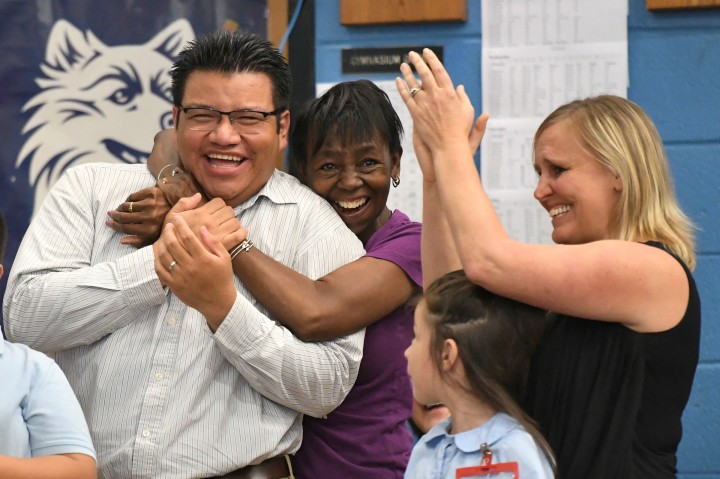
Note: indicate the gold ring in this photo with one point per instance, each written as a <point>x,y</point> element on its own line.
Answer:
<point>172,266</point>
<point>415,91</point>
<point>130,207</point>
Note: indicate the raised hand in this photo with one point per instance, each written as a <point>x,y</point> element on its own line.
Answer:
<point>441,113</point>
<point>478,132</point>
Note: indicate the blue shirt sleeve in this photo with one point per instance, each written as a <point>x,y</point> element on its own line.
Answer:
<point>54,419</point>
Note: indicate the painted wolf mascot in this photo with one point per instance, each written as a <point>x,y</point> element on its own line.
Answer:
<point>97,102</point>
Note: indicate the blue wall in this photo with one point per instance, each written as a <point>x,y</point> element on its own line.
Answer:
<point>675,76</point>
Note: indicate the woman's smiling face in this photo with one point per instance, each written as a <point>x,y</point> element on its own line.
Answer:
<point>355,178</point>
<point>579,192</point>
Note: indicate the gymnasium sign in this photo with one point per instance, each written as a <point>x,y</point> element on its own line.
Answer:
<point>380,60</point>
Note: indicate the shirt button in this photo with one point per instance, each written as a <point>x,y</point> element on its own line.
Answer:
<point>146,433</point>
<point>171,321</point>
<point>159,376</point>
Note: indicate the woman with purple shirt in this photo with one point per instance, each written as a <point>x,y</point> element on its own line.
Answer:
<point>347,148</point>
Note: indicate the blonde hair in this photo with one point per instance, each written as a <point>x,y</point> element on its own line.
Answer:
<point>621,136</point>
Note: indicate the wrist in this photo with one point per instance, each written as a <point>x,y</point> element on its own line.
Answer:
<point>175,170</point>
<point>160,173</point>
<point>451,147</point>
<point>178,184</point>
<point>243,246</point>
<point>216,314</point>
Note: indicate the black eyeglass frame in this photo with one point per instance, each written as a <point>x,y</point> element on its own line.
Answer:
<point>276,112</point>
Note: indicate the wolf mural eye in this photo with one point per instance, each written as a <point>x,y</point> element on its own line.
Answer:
<point>98,103</point>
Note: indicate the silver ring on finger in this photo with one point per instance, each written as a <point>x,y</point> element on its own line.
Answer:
<point>171,266</point>
<point>415,91</point>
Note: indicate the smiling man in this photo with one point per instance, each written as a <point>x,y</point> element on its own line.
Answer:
<point>231,153</point>
<point>180,372</point>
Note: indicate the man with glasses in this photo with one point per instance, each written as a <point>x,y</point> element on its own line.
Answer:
<point>180,372</point>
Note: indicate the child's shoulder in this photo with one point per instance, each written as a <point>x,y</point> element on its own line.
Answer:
<point>21,360</point>
<point>513,443</point>
<point>505,430</point>
<point>17,351</point>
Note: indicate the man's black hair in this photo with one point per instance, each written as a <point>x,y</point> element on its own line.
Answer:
<point>233,52</point>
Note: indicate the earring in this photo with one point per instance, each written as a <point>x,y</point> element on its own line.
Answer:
<point>396,181</point>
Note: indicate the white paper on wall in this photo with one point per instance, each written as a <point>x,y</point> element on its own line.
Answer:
<point>536,56</point>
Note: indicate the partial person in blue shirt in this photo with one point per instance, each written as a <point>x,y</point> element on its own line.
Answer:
<point>43,433</point>
<point>471,352</point>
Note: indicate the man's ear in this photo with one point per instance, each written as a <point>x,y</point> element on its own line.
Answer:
<point>284,128</point>
<point>1,270</point>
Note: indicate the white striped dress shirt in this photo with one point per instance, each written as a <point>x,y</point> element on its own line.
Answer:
<point>165,397</point>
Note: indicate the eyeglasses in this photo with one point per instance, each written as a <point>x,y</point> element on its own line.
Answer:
<point>244,121</point>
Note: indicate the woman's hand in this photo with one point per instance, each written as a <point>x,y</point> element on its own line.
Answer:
<point>164,162</point>
<point>441,113</point>
<point>478,133</point>
<point>178,184</point>
<point>424,156</point>
<point>140,217</point>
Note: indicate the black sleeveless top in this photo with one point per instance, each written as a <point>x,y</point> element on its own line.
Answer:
<point>610,400</point>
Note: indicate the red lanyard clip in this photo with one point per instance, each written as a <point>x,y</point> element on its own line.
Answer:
<point>486,466</point>
<point>487,454</point>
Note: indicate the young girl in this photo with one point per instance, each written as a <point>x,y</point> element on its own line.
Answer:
<point>471,352</point>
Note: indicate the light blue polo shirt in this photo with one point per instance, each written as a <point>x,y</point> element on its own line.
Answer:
<point>438,453</point>
<point>39,414</point>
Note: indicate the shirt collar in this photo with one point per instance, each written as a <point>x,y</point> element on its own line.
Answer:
<point>496,428</point>
<point>277,189</point>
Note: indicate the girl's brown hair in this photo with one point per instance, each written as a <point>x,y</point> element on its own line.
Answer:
<point>495,338</point>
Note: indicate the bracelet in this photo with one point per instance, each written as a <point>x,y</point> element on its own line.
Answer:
<point>163,169</point>
<point>244,246</point>
<point>175,171</point>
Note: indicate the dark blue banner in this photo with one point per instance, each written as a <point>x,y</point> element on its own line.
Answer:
<point>89,79</point>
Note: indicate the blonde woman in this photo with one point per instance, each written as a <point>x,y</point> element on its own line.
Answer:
<point>613,374</point>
